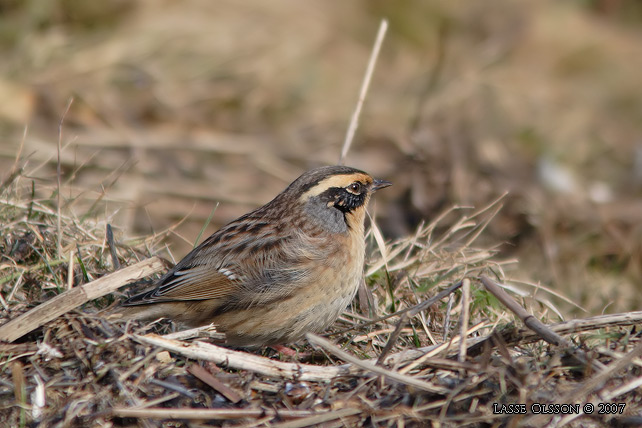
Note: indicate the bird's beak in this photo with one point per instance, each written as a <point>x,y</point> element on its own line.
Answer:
<point>380,184</point>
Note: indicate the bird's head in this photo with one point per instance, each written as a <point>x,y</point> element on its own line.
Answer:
<point>335,197</point>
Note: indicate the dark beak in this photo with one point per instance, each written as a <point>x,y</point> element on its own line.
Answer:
<point>380,184</point>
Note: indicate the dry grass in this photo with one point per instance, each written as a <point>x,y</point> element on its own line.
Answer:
<point>80,370</point>
<point>194,103</point>
<point>178,107</point>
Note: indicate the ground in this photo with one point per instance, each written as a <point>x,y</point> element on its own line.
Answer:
<point>174,118</point>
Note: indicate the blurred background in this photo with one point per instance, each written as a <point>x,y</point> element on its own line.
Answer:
<point>178,106</point>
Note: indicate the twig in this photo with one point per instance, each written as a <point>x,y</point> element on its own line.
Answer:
<point>536,325</point>
<point>70,270</point>
<point>449,308</point>
<point>75,297</point>
<point>354,121</point>
<point>421,357</point>
<point>19,382</point>
<point>206,377</point>
<point>58,175</point>
<point>244,361</point>
<point>173,387</point>
<point>220,414</point>
<point>112,247</point>
<point>525,336</point>
<point>204,331</point>
<point>413,310</point>
<point>621,390</point>
<point>597,381</point>
<point>135,367</point>
<point>318,420</point>
<point>393,338</point>
<point>463,321</point>
<point>372,367</point>
<point>529,320</point>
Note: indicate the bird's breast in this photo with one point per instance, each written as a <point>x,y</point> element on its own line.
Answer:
<point>323,294</point>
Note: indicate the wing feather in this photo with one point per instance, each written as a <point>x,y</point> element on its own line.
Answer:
<point>240,269</point>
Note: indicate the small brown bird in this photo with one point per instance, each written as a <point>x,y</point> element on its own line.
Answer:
<point>285,269</point>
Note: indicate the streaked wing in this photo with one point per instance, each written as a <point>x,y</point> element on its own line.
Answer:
<point>228,267</point>
<point>197,283</point>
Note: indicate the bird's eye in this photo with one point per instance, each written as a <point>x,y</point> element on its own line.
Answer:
<point>355,187</point>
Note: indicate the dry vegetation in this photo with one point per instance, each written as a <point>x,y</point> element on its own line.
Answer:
<point>180,106</point>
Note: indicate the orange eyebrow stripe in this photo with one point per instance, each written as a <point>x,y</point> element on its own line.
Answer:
<point>336,181</point>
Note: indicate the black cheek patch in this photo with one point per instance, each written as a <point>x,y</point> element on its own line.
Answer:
<point>342,200</point>
<point>348,201</point>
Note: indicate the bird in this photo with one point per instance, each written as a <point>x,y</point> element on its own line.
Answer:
<point>276,273</point>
